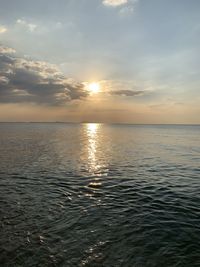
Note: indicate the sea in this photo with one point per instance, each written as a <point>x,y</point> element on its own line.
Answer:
<point>99,195</point>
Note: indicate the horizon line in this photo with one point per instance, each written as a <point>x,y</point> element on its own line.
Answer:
<point>120,123</point>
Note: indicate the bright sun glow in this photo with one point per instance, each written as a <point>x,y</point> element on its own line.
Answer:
<point>93,87</point>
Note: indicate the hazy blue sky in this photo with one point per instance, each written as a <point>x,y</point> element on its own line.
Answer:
<point>143,53</point>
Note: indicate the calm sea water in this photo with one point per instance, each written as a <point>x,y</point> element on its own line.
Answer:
<point>99,195</point>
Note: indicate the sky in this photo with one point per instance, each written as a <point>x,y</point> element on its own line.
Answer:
<point>143,55</point>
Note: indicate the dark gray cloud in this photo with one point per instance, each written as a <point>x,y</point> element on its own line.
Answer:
<point>25,80</point>
<point>127,92</point>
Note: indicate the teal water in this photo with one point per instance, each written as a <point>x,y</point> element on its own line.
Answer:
<point>99,195</point>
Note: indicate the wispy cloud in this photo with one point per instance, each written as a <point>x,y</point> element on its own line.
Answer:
<point>29,26</point>
<point>24,80</point>
<point>127,92</point>
<point>115,3</point>
<point>125,87</point>
<point>125,7</point>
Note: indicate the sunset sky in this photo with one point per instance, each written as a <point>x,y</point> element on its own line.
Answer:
<point>128,61</point>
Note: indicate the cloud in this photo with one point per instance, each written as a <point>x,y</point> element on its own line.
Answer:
<point>127,92</point>
<point>126,6</point>
<point>3,29</point>
<point>126,88</point>
<point>115,3</point>
<point>29,26</point>
<point>25,80</point>
<point>6,50</point>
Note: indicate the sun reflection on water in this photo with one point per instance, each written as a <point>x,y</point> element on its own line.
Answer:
<point>93,156</point>
<point>92,138</point>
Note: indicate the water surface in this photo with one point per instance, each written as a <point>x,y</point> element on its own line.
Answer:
<point>99,195</point>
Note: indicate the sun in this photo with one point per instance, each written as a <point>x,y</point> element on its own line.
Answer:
<point>94,87</point>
